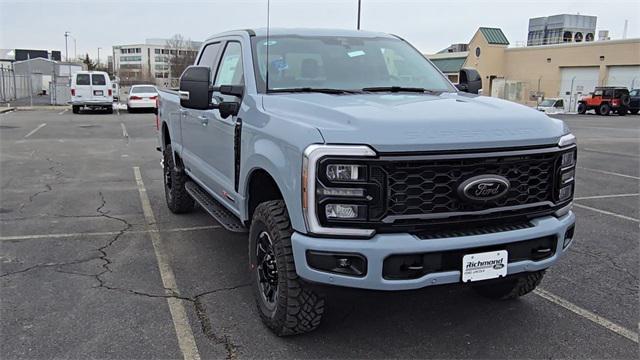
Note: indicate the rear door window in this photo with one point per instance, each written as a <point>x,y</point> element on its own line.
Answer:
<point>83,79</point>
<point>98,79</point>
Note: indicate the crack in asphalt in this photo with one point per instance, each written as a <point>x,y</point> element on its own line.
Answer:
<point>199,306</point>
<point>55,167</point>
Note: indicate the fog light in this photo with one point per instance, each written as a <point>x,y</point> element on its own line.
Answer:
<point>352,264</point>
<point>342,211</point>
<point>568,236</point>
<point>565,192</point>
<point>344,262</point>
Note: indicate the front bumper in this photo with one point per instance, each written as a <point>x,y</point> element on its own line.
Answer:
<point>381,246</point>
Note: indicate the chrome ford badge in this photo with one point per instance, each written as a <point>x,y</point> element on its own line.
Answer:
<point>483,188</point>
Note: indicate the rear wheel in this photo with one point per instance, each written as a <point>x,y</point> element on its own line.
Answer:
<point>109,109</point>
<point>178,199</point>
<point>604,109</point>
<point>511,288</point>
<point>582,108</point>
<point>633,111</point>
<point>286,303</point>
<point>129,109</point>
<point>75,109</point>
<point>622,111</point>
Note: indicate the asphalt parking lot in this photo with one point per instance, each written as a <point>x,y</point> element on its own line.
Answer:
<point>88,270</point>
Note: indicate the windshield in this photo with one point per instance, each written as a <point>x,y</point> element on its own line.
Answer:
<point>547,102</point>
<point>344,63</point>
<point>634,92</point>
<point>143,89</point>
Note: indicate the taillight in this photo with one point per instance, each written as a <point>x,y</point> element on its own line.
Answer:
<point>110,92</point>
<point>73,92</point>
<point>157,115</point>
<point>153,97</point>
<point>615,102</point>
<point>135,97</point>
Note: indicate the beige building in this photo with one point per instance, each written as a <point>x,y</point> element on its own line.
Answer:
<point>524,74</point>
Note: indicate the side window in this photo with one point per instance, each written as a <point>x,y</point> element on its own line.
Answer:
<point>82,79</point>
<point>209,54</point>
<point>230,70</point>
<point>98,79</point>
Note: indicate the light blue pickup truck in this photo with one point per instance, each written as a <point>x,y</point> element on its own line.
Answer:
<point>350,160</point>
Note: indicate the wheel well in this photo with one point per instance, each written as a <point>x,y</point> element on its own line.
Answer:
<point>261,188</point>
<point>166,138</point>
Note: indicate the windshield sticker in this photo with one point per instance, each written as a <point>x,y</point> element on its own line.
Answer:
<point>269,43</point>
<point>355,53</point>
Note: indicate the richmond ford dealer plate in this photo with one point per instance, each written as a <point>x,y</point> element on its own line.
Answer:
<point>483,266</point>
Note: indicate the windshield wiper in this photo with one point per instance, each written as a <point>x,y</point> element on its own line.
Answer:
<point>314,90</point>
<point>400,89</point>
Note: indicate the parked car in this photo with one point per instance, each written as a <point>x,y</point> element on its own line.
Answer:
<point>634,101</point>
<point>115,87</point>
<point>142,97</point>
<point>551,106</point>
<point>356,163</point>
<point>91,89</point>
<point>605,99</point>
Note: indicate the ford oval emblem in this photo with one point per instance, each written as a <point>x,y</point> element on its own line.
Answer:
<point>483,188</point>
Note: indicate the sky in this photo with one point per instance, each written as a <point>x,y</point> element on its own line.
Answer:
<point>429,25</point>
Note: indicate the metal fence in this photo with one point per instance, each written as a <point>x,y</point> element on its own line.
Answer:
<point>33,89</point>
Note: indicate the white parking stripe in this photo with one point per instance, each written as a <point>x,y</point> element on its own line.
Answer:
<point>609,152</point>
<point>605,196</point>
<point>105,233</point>
<point>186,341</point>
<point>622,331</point>
<point>124,130</point>
<point>609,173</point>
<point>63,111</point>
<point>607,212</point>
<point>36,129</point>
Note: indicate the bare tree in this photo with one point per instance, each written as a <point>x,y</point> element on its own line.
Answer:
<point>181,53</point>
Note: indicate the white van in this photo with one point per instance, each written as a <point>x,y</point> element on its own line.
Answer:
<point>91,89</point>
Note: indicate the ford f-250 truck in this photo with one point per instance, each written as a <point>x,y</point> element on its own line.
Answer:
<point>350,160</point>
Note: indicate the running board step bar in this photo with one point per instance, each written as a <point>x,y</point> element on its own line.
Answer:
<point>225,217</point>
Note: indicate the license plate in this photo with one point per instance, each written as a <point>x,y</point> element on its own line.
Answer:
<point>98,93</point>
<point>483,266</point>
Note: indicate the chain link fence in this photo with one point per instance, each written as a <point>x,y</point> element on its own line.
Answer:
<point>33,88</point>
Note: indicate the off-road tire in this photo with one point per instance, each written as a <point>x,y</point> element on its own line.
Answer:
<point>178,199</point>
<point>604,109</point>
<point>298,308</point>
<point>511,288</point>
<point>75,109</point>
<point>633,111</point>
<point>582,108</point>
<point>622,111</point>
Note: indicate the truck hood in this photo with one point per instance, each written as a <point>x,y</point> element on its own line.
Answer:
<point>418,122</point>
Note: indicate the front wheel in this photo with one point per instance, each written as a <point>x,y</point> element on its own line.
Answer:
<point>178,199</point>
<point>286,303</point>
<point>511,288</point>
<point>582,108</point>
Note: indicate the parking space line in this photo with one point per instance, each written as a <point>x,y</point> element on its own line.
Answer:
<point>609,152</point>
<point>605,196</point>
<point>124,130</point>
<point>606,212</point>
<point>105,233</point>
<point>597,319</point>
<point>63,111</point>
<point>186,340</point>
<point>609,173</point>
<point>35,130</point>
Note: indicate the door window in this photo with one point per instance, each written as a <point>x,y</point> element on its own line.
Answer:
<point>82,79</point>
<point>230,70</point>
<point>98,79</point>
<point>209,55</point>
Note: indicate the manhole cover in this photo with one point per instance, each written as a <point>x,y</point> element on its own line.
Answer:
<point>9,127</point>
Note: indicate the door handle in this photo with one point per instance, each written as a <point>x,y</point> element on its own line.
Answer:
<point>203,120</point>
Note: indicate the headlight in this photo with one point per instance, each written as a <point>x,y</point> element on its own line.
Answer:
<point>339,172</point>
<point>568,159</point>
<point>566,172</point>
<point>565,192</point>
<point>336,194</point>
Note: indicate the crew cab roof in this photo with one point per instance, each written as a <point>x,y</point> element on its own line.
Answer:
<point>304,32</point>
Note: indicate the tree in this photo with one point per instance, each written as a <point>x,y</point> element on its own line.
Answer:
<point>181,53</point>
<point>90,64</point>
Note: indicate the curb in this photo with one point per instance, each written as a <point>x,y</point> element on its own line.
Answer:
<point>6,109</point>
<point>31,108</point>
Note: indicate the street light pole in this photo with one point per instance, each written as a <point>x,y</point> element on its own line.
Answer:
<point>98,65</point>
<point>66,49</point>
<point>359,7</point>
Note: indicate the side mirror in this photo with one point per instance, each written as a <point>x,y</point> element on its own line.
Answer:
<point>233,90</point>
<point>195,88</point>
<point>470,81</point>
<point>228,108</point>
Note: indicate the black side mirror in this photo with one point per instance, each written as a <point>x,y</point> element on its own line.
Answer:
<point>228,108</point>
<point>469,81</point>
<point>195,88</point>
<point>233,90</point>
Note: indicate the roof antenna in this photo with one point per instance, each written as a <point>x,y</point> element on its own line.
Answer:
<point>268,44</point>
